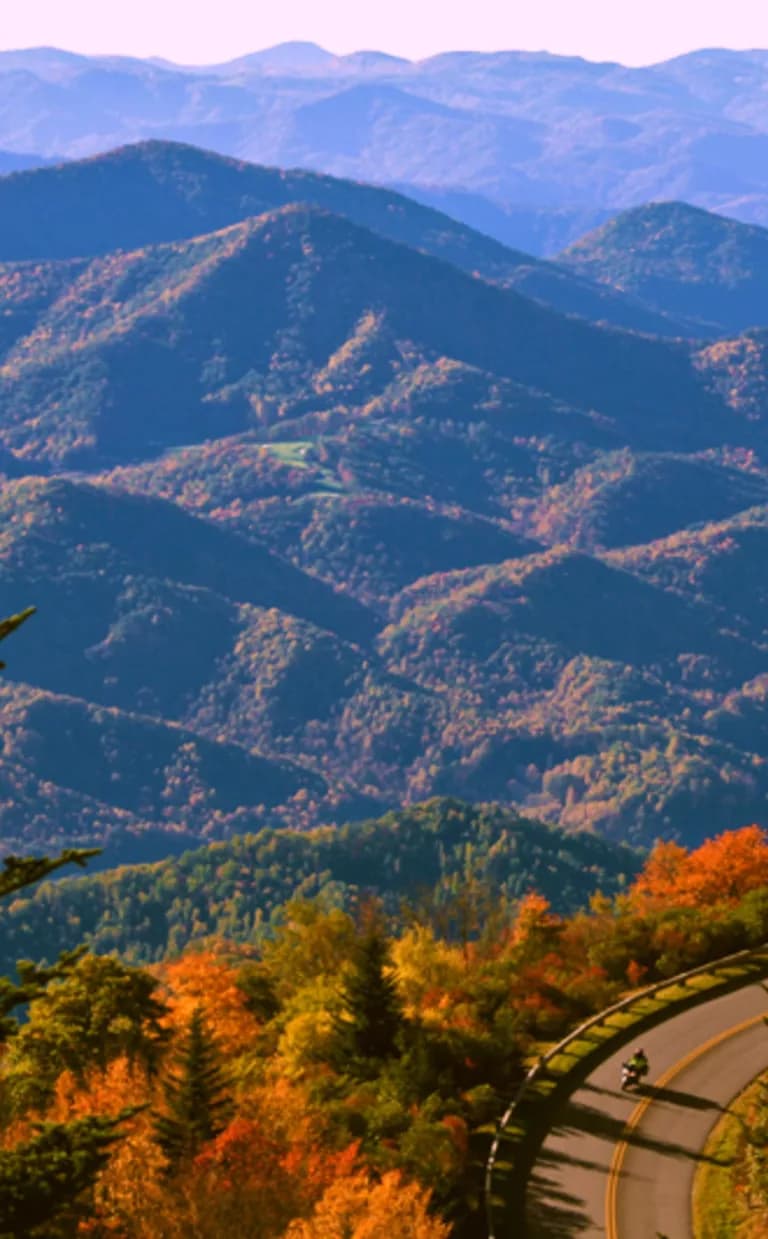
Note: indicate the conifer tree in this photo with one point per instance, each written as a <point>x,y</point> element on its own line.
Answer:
<point>372,1020</point>
<point>18,872</point>
<point>41,1180</point>
<point>196,1103</point>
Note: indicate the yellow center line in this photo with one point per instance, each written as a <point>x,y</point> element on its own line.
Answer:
<point>620,1152</point>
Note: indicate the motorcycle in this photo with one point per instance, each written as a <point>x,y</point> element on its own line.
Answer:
<point>631,1076</point>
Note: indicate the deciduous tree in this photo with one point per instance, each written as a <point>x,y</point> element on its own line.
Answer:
<point>357,1207</point>
<point>100,1010</point>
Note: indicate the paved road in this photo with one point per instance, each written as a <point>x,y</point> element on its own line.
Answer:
<point>594,1178</point>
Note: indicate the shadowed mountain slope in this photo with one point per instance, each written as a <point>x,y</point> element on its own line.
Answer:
<point>714,565</point>
<point>580,604</point>
<point>624,498</point>
<point>73,773</point>
<point>155,191</point>
<point>164,191</point>
<point>51,530</point>
<point>682,261</point>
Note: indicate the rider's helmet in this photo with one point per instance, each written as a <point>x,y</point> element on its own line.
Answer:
<point>640,1052</point>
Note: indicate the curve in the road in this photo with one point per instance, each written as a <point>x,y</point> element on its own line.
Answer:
<point>635,1119</point>
<point>647,1151</point>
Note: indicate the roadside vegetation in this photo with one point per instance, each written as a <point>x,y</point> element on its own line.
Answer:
<point>731,1186</point>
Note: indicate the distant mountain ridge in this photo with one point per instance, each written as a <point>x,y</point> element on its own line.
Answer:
<point>522,130</point>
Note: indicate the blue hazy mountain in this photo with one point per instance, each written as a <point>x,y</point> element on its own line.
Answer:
<point>543,231</point>
<point>163,191</point>
<point>542,133</point>
<point>682,261</point>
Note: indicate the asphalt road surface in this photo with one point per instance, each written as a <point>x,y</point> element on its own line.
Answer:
<point>621,1165</point>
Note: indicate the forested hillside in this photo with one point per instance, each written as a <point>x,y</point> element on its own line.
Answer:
<point>461,864</point>
<point>682,261</point>
<point>299,316</point>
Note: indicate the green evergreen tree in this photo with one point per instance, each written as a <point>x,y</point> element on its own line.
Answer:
<point>196,1102</point>
<point>33,980</point>
<point>372,1021</point>
<point>42,1179</point>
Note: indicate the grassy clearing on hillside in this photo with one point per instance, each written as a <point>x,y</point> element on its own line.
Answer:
<point>295,453</point>
<point>292,453</point>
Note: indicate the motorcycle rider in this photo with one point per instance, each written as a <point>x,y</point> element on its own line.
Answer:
<point>638,1063</point>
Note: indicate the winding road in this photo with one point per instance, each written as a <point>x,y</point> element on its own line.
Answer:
<point>621,1165</point>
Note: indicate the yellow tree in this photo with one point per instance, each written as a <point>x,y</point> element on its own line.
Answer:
<point>357,1207</point>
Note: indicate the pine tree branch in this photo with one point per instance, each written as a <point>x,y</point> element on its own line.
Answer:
<point>9,625</point>
<point>21,871</point>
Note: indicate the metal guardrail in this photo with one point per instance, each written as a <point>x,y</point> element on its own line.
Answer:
<point>540,1066</point>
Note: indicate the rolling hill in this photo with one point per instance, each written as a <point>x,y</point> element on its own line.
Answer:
<point>299,316</point>
<point>76,774</point>
<point>682,261</point>
<point>626,498</point>
<point>235,889</point>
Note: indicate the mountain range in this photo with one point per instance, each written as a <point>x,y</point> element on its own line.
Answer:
<point>533,148</point>
<point>323,512</point>
<point>154,192</point>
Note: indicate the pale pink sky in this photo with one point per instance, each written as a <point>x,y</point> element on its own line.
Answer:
<point>204,31</point>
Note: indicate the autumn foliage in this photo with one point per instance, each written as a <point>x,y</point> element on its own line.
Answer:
<point>307,1125</point>
<point>722,869</point>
